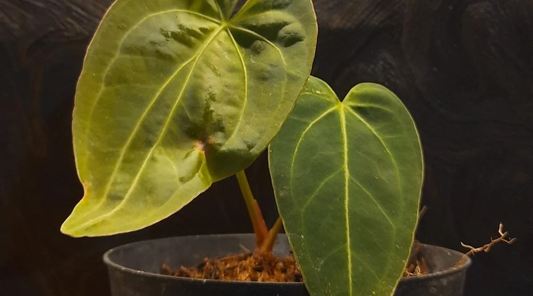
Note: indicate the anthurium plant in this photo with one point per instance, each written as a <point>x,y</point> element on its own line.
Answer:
<point>177,94</point>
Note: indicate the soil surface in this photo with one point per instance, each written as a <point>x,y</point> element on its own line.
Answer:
<point>417,264</point>
<point>251,267</point>
<point>416,268</point>
<point>265,267</point>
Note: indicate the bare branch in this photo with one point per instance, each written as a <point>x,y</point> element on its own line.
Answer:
<point>486,248</point>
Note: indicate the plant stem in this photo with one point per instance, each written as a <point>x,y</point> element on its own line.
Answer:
<point>258,222</point>
<point>268,244</point>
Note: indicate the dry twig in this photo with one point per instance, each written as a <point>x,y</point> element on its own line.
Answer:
<point>486,248</point>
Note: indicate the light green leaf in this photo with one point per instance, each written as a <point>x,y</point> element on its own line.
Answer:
<point>175,95</point>
<point>347,178</point>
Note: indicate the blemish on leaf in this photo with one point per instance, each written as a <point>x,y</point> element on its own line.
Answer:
<point>200,145</point>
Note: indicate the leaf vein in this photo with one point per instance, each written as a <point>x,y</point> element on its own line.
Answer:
<point>220,13</point>
<point>262,38</point>
<point>133,185</point>
<point>301,139</point>
<point>374,200</point>
<point>245,74</point>
<point>383,144</point>
<point>315,193</point>
<point>121,42</point>
<point>371,106</point>
<point>368,268</point>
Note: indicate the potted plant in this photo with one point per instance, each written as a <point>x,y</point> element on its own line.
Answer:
<point>177,94</point>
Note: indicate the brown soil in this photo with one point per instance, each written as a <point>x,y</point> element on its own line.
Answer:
<point>252,267</point>
<point>260,267</point>
<point>416,268</point>
<point>417,264</point>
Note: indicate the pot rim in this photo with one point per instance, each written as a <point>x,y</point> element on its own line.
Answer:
<point>442,273</point>
<point>111,263</point>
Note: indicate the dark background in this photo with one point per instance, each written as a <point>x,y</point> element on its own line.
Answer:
<point>464,68</point>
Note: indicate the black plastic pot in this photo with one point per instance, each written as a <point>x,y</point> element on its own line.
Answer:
<point>134,269</point>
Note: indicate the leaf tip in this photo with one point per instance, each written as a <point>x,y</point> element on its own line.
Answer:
<point>69,228</point>
<point>76,224</point>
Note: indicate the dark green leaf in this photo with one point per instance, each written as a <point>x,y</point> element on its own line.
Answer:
<point>347,178</point>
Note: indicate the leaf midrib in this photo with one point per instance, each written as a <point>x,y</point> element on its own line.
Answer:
<point>347,175</point>
<point>382,143</point>
<point>227,25</point>
<point>398,176</point>
<point>213,20</point>
<point>346,197</point>
<point>118,54</point>
<point>222,27</point>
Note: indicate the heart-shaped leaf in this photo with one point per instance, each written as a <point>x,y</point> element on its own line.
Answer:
<point>177,94</point>
<point>347,178</point>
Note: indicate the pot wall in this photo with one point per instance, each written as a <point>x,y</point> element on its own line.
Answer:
<point>133,269</point>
